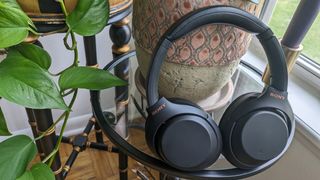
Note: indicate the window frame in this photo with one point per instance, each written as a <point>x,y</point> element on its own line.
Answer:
<point>305,75</point>
<point>305,68</point>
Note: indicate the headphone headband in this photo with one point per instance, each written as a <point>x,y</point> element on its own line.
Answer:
<point>219,15</point>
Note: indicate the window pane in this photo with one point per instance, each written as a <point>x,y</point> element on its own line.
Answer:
<point>280,20</point>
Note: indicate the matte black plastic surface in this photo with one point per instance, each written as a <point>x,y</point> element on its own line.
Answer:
<point>184,102</point>
<point>232,107</point>
<point>258,137</point>
<point>168,111</point>
<point>273,109</point>
<point>277,63</point>
<point>188,142</point>
<point>271,99</point>
<point>221,15</point>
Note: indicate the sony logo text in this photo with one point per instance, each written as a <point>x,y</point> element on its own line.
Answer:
<point>277,96</point>
<point>160,108</point>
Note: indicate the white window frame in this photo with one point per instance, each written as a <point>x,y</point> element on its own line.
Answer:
<point>305,67</point>
<point>304,81</point>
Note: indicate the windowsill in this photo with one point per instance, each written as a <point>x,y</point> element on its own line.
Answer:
<point>303,96</point>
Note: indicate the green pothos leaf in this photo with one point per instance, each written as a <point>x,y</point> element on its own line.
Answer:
<point>26,83</point>
<point>14,4</point>
<point>3,126</point>
<point>39,171</point>
<point>88,78</point>
<point>14,27</point>
<point>11,3</point>
<point>33,53</point>
<point>89,17</point>
<point>27,175</point>
<point>16,153</point>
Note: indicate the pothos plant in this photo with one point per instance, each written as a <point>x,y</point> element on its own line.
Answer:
<point>25,79</point>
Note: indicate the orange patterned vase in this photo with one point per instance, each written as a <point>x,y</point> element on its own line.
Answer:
<point>199,64</point>
<point>48,17</point>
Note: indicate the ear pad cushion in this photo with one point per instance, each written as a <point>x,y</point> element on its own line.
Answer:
<point>234,105</point>
<point>225,125</point>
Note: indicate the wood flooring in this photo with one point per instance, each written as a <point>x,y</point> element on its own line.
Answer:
<point>93,164</point>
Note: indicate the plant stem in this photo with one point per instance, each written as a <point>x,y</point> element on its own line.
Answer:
<point>67,93</point>
<point>56,31</point>
<point>76,54</point>
<point>62,129</point>
<point>63,7</point>
<point>56,148</point>
<point>75,64</point>
<point>34,32</point>
<point>73,40</point>
<point>50,155</point>
<point>59,73</point>
<point>53,125</point>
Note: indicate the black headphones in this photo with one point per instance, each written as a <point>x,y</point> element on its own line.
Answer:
<point>255,130</point>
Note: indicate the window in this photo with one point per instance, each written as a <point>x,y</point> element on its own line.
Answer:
<point>304,80</point>
<point>280,20</point>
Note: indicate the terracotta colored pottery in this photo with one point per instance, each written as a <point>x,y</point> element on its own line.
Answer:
<point>48,12</point>
<point>199,64</point>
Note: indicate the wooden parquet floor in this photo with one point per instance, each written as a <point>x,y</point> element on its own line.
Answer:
<point>101,165</point>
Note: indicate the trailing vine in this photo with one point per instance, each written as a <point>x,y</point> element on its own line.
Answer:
<point>25,80</point>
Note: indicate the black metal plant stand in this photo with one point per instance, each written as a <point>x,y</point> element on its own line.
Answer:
<point>120,34</point>
<point>41,120</point>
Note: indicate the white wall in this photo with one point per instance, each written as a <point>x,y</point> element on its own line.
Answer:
<point>61,58</point>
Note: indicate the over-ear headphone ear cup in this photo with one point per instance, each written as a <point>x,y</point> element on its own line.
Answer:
<point>252,133</point>
<point>188,140</point>
<point>189,145</point>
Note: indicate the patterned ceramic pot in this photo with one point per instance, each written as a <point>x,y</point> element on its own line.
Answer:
<point>47,14</point>
<point>199,64</point>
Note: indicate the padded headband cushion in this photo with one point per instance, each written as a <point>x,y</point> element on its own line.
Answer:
<point>219,15</point>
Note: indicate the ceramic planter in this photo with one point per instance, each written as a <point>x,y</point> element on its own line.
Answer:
<point>199,64</point>
<point>47,14</point>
